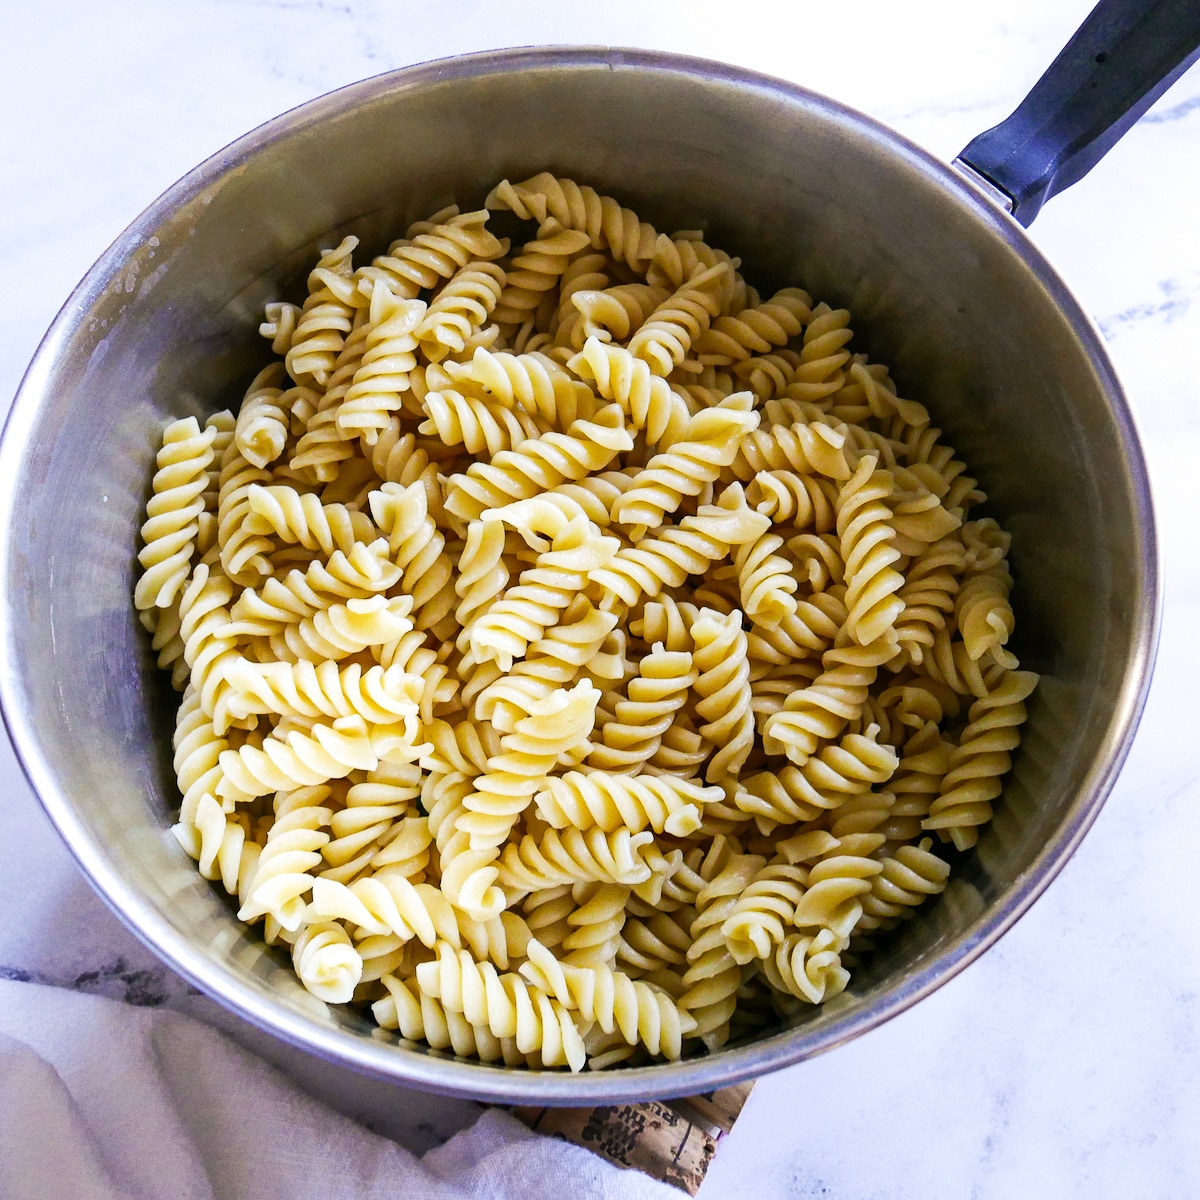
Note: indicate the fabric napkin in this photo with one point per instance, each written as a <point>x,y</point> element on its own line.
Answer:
<point>104,1101</point>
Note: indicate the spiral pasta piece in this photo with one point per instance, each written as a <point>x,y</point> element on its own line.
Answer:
<point>327,316</point>
<point>383,372</point>
<point>808,967</point>
<point>527,755</point>
<point>197,747</point>
<point>328,751</point>
<point>918,516</point>
<point>416,547</point>
<point>432,255</point>
<point>480,426</point>
<point>327,963</point>
<point>584,273</point>
<point>667,621</point>
<point>767,375</point>
<point>653,697</point>
<point>534,383</point>
<point>981,757</point>
<point>599,799</point>
<point>948,662</point>
<point>643,1015</point>
<point>612,314</point>
<point>755,330</point>
<point>984,615</point>
<point>375,830</point>
<point>917,783</point>
<point>863,523</point>
<point>712,978</point>
<point>821,710</point>
<point>826,781</point>
<point>208,646</point>
<point>167,643</point>
<point>279,325</point>
<point>667,559</point>
<point>593,929</point>
<point>596,494</point>
<point>818,558</point>
<point>609,226</point>
<point>766,581</point>
<point>681,752</point>
<point>539,464</point>
<point>220,843</point>
<point>788,497</point>
<point>677,258</point>
<point>466,874</point>
<point>482,574</point>
<point>547,910</point>
<point>340,630</point>
<point>553,661</point>
<point>663,340</point>
<point>262,420</point>
<point>910,875</point>
<point>764,911</point>
<point>723,691</point>
<point>173,512</point>
<point>837,884</point>
<point>301,518</point>
<point>365,571</point>
<point>930,587</point>
<point>707,443</point>
<point>387,903</point>
<point>823,355</point>
<point>645,398</point>
<point>422,1018</point>
<point>304,689</point>
<point>576,550</point>
<point>535,272</point>
<point>505,1004</point>
<point>323,446</point>
<point>460,309</point>
<point>808,449</point>
<point>576,856</point>
<point>283,874</point>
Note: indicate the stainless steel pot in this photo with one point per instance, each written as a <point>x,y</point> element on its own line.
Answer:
<point>944,286</point>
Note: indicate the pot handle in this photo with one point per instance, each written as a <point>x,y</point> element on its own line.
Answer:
<point>1121,59</point>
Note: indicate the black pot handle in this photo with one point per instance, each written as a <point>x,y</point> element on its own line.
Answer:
<point>1121,59</point>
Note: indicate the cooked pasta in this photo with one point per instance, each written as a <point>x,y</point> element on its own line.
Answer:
<point>580,654</point>
<point>173,512</point>
<point>327,316</point>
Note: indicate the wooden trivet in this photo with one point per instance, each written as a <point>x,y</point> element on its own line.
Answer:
<point>673,1140</point>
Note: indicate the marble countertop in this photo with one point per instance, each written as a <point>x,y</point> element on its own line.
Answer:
<point>1066,1062</point>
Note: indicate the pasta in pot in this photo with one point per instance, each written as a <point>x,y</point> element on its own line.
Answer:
<point>579,653</point>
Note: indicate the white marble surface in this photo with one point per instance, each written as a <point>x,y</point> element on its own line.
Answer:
<point>1066,1062</point>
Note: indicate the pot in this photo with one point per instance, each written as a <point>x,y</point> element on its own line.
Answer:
<point>943,285</point>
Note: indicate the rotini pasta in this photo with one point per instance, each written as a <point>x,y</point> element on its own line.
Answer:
<point>173,512</point>
<point>460,309</point>
<point>262,421</point>
<point>707,443</point>
<point>327,316</point>
<point>581,655</point>
<point>610,802</point>
<point>383,371</point>
<point>538,464</point>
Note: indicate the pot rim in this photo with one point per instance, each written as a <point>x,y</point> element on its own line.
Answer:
<point>446,1074</point>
